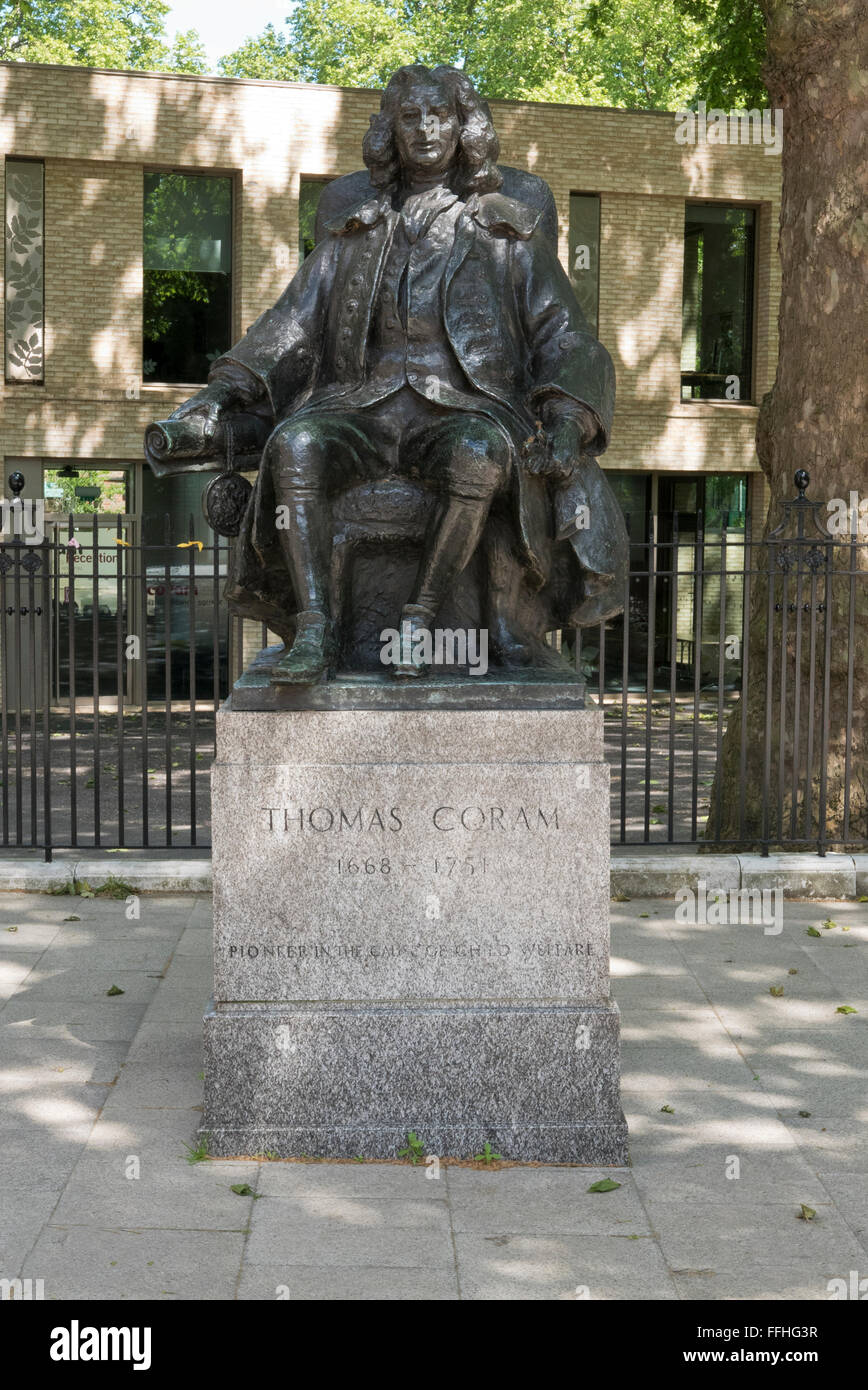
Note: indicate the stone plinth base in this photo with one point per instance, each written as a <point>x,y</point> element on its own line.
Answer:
<point>538,1081</point>
<point>411,927</point>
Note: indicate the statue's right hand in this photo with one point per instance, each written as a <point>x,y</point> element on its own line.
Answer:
<point>204,411</point>
<point>207,407</point>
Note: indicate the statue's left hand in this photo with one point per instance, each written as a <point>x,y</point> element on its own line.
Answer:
<point>569,429</point>
<point>566,441</point>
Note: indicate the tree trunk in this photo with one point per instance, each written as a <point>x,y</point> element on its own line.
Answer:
<point>813,419</point>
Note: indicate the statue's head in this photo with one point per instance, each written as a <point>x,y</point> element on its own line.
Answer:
<point>433,121</point>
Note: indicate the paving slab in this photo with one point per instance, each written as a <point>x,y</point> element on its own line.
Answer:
<point>335,1283</point>
<point>544,1201</point>
<point>726,1237</point>
<point>767,1283</point>
<point>106,1020</point>
<point>90,1083</point>
<point>529,1268</point>
<point>96,1262</point>
<point>350,1231</point>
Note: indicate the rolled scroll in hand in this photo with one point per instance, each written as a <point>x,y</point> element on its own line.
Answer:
<point>189,445</point>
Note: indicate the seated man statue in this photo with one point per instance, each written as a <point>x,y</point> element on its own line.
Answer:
<point>431,334</point>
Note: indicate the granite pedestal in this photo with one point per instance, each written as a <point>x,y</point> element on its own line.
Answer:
<point>411,923</point>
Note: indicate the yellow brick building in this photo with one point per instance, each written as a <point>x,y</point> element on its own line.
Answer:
<point>98,131</point>
<point>97,136</point>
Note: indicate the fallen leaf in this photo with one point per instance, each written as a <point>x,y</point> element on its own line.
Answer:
<point>812,931</point>
<point>845,1009</point>
<point>666,1110</point>
<point>776,990</point>
<point>114,990</point>
<point>806,1213</point>
<point>604,1185</point>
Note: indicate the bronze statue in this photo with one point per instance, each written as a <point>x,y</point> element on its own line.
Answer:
<point>428,390</point>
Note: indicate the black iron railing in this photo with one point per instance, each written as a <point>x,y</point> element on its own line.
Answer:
<point>115,655</point>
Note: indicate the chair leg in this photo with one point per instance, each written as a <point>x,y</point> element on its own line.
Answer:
<point>339,579</point>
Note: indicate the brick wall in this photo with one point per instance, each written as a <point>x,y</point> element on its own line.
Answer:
<point>98,130</point>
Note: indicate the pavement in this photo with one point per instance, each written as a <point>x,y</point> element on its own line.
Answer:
<point>742,1107</point>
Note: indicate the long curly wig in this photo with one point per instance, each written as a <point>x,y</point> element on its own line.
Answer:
<point>478,145</point>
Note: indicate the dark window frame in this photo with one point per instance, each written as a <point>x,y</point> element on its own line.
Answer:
<point>323,180</point>
<point>751,299</point>
<point>235,212</point>
<point>586,193</point>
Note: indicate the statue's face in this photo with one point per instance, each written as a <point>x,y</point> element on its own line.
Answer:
<point>427,128</point>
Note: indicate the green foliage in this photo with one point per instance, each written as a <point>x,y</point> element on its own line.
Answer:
<point>415,1148</point>
<point>112,496</point>
<point>199,1152</point>
<point>79,887</point>
<point>488,1155</point>
<point>268,57</point>
<point>114,888</point>
<point>657,54</point>
<point>97,33</point>
<point>729,71</point>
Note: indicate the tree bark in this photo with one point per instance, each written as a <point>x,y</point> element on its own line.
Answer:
<point>814,419</point>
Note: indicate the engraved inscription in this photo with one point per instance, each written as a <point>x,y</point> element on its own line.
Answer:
<point>392,819</point>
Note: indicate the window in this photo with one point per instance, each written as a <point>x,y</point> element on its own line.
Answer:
<point>25,230</point>
<point>83,489</point>
<point>584,248</point>
<point>717,305</point>
<point>688,589</point>
<point>187,309</point>
<point>308,201</point>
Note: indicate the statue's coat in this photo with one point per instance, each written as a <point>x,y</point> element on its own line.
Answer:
<point>518,332</point>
